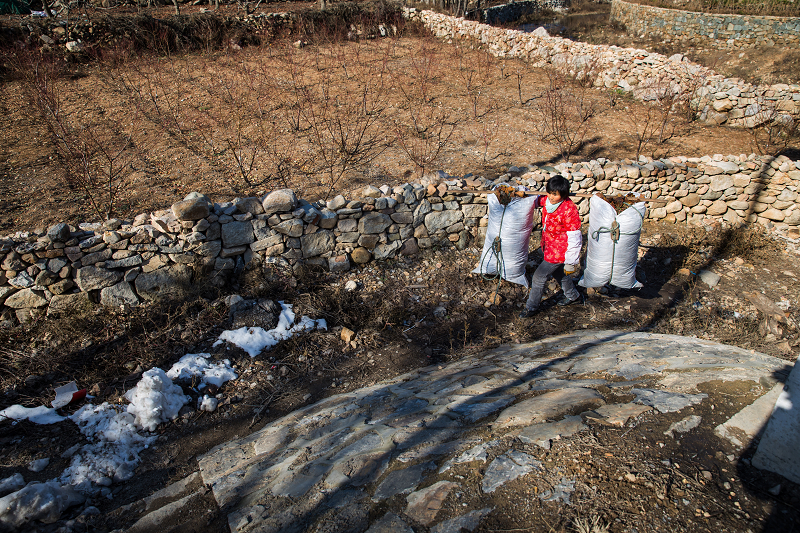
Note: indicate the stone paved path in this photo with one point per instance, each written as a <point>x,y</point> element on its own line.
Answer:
<point>336,464</point>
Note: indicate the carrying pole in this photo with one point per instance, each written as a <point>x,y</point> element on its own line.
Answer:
<point>520,194</point>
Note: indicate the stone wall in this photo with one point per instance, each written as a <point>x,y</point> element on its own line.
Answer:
<point>127,262</point>
<point>706,29</point>
<point>718,100</point>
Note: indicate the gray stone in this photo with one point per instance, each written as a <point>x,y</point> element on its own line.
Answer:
<point>372,223</point>
<point>709,278</point>
<point>508,467</point>
<point>401,481</point>
<point>192,209</point>
<point>58,232</point>
<point>468,521</point>
<point>615,414</point>
<point>280,201</point>
<point>743,427</point>
<point>5,292</point>
<point>424,505</point>
<point>96,257</point>
<point>249,205</point>
<point>390,523</point>
<point>119,295</point>
<point>338,263</point>
<point>542,434</point>
<point>665,401</point>
<point>26,298</point>
<point>318,243</point>
<point>209,248</point>
<point>684,425</point>
<point>23,280</point>
<point>385,251</point>
<point>128,262</point>
<point>291,228</point>
<point>262,313</point>
<point>439,220</point>
<point>237,234</point>
<point>67,304</point>
<point>548,406</point>
<point>561,491</point>
<point>268,242</point>
<point>164,282</point>
<point>474,411</point>
<point>336,203</point>
<point>92,278</point>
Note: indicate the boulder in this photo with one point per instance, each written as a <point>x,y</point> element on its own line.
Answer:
<point>26,298</point>
<point>690,200</point>
<point>439,220</point>
<point>361,255</point>
<point>249,205</point>
<point>373,223</point>
<point>164,282</point>
<point>58,232</point>
<point>261,313</point>
<point>280,201</point>
<point>193,207</point>
<point>387,250</point>
<point>119,295</point>
<point>92,278</point>
<point>237,234</point>
<point>318,243</point>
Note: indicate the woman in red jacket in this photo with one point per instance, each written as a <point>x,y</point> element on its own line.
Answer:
<point>561,244</point>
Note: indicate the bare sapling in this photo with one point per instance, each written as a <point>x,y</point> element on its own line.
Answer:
<point>779,130</point>
<point>339,124</point>
<point>97,157</point>
<point>566,112</point>
<point>661,116</point>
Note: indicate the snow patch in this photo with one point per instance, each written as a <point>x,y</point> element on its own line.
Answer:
<point>254,340</point>
<point>37,415</point>
<point>197,365</point>
<point>155,399</point>
<point>113,452</point>
<point>784,402</point>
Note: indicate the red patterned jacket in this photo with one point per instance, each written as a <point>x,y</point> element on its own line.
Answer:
<point>561,232</point>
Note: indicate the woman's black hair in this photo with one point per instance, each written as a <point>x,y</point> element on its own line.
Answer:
<point>558,184</point>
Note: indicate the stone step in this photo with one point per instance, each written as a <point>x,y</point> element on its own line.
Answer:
<point>169,509</point>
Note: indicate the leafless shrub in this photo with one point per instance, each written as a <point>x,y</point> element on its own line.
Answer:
<point>97,155</point>
<point>660,118</point>
<point>566,112</point>
<point>779,130</point>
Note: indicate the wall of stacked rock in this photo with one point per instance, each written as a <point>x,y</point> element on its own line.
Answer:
<point>718,100</point>
<point>122,263</point>
<point>718,30</point>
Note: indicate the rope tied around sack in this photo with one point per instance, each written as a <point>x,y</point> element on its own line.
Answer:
<point>505,194</point>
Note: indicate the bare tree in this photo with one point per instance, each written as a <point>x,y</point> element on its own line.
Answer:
<point>566,114</point>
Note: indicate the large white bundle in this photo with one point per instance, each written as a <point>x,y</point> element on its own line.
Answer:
<point>517,220</point>
<point>608,261</point>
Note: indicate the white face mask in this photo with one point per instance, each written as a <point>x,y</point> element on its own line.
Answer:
<point>551,207</point>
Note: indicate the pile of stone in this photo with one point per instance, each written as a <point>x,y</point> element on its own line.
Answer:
<point>123,263</point>
<point>718,100</point>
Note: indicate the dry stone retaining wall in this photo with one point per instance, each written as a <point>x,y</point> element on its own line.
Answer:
<point>127,262</point>
<point>704,29</point>
<point>718,100</point>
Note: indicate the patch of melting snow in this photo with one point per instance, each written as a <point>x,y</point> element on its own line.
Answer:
<point>253,340</point>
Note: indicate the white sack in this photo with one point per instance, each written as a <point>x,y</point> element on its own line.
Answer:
<point>514,234</point>
<point>605,261</point>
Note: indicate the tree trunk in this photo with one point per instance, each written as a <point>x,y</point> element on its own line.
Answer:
<point>177,7</point>
<point>323,4</point>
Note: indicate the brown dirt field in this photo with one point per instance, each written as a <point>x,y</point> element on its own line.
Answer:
<point>188,116</point>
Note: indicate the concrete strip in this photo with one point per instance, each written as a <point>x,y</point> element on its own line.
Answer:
<point>745,425</point>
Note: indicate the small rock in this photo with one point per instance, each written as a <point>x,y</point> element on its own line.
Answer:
<point>38,465</point>
<point>351,285</point>
<point>709,278</point>
<point>347,335</point>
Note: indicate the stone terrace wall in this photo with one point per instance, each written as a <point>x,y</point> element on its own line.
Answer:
<point>704,29</point>
<point>127,262</point>
<point>719,100</point>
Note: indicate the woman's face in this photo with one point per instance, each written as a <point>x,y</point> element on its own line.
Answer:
<point>554,197</point>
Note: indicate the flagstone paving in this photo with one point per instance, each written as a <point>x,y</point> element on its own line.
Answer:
<point>329,466</point>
